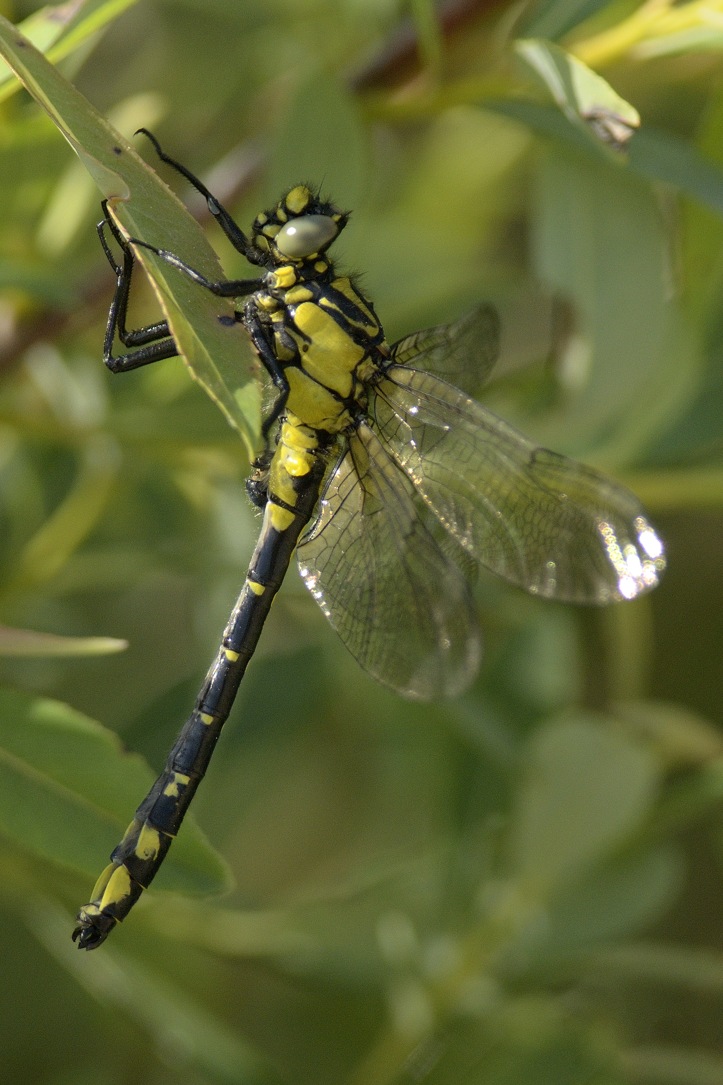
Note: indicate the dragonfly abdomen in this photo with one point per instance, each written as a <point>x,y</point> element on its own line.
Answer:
<point>295,476</point>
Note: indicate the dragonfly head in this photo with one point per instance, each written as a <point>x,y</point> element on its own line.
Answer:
<point>299,228</point>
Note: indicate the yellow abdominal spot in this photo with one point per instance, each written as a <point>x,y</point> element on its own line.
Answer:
<point>173,788</point>
<point>255,587</point>
<point>99,887</point>
<point>294,454</point>
<point>117,889</point>
<point>281,519</point>
<point>149,843</point>
<point>297,464</point>
<point>231,656</point>
<point>295,434</point>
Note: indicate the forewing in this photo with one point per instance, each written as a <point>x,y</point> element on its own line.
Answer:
<point>551,525</point>
<point>398,602</point>
<point>462,353</point>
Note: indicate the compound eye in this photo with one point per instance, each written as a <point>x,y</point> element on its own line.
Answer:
<point>305,235</point>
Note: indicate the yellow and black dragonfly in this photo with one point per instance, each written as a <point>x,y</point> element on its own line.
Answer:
<point>389,482</point>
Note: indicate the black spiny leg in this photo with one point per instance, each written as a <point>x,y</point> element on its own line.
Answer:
<point>232,231</point>
<point>154,340</point>
<point>265,350</point>
<point>235,288</point>
<point>222,288</point>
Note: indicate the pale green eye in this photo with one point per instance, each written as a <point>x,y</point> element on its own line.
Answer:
<point>305,235</point>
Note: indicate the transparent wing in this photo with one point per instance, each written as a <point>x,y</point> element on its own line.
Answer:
<point>551,525</point>
<point>397,600</point>
<point>462,353</point>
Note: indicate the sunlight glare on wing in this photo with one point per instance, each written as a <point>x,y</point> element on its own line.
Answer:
<point>635,573</point>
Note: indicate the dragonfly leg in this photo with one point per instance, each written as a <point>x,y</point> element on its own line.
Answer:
<point>153,341</point>
<point>230,228</point>
<point>222,288</point>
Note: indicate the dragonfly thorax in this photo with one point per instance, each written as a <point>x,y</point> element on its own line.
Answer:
<point>326,338</point>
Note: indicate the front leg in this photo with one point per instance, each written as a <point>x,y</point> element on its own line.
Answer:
<point>232,230</point>
<point>154,340</point>
<point>223,288</point>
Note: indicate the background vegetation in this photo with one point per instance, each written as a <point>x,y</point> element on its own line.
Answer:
<point>522,886</point>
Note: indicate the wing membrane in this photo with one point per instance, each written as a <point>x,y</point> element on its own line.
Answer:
<point>462,353</point>
<point>398,602</point>
<point>548,524</point>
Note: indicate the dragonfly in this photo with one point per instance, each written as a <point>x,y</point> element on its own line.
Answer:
<point>389,482</point>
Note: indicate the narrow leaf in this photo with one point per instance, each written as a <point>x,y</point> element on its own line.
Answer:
<point>69,790</point>
<point>217,352</point>
<point>60,29</point>
<point>584,97</point>
<point>29,643</point>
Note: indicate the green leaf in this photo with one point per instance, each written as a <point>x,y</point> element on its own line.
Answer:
<point>653,154</point>
<point>584,97</point>
<point>586,788</point>
<point>599,241</point>
<point>69,790</point>
<point>617,900</point>
<point>56,31</point>
<point>28,642</point>
<point>219,356</point>
<point>553,18</point>
<point>663,156</point>
<point>707,37</point>
<point>681,736</point>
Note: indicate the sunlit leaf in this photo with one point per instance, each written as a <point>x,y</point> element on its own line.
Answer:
<point>583,96</point>
<point>33,644</point>
<point>59,29</point>
<point>218,353</point>
<point>68,787</point>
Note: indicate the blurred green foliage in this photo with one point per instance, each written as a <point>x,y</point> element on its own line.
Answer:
<point>518,888</point>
